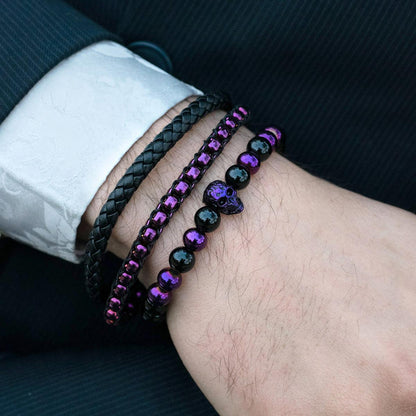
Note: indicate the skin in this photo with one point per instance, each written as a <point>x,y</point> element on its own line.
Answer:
<point>303,304</point>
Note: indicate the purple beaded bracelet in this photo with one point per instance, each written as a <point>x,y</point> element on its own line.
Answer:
<point>219,197</point>
<point>126,297</point>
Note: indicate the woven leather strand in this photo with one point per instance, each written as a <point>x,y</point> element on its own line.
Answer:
<point>134,176</point>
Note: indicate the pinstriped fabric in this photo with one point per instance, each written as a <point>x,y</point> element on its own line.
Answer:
<point>36,36</point>
<point>124,381</point>
<point>338,75</point>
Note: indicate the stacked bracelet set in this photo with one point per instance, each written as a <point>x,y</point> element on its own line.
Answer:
<point>128,296</point>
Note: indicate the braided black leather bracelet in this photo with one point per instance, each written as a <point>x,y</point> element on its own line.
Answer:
<point>128,184</point>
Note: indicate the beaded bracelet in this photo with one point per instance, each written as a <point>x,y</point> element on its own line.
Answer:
<point>131,180</point>
<point>126,294</point>
<point>219,197</point>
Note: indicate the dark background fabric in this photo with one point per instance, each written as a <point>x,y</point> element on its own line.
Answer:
<point>337,75</point>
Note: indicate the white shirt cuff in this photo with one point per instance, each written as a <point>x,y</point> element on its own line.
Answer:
<point>61,141</point>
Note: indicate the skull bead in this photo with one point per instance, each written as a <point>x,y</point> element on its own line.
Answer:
<point>222,197</point>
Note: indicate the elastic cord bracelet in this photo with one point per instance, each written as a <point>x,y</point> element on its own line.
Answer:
<point>134,176</point>
<point>220,198</point>
<point>126,296</point>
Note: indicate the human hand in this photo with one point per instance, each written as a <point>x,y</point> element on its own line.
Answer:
<point>304,304</point>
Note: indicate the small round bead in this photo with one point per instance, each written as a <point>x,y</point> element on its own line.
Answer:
<point>157,296</point>
<point>191,174</point>
<point>237,115</point>
<point>125,279</point>
<point>159,218</point>
<point>203,159</point>
<point>131,267</point>
<point>244,111</point>
<point>270,137</point>
<point>110,314</point>
<point>222,132</point>
<point>260,147</point>
<point>169,204</point>
<point>152,309</point>
<point>237,176</point>
<point>230,123</point>
<point>120,290</point>
<point>181,259</point>
<point>213,146</point>
<point>249,161</point>
<point>169,279</point>
<point>194,240</point>
<point>114,304</point>
<point>280,139</point>
<point>148,235</point>
<point>139,252</point>
<point>207,219</point>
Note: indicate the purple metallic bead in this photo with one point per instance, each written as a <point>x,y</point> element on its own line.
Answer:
<point>192,173</point>
<point>114,304</point>
<point>222,132</point>
<point>230,123</point>
<point>110,322</point>
<point>148,235</point>
<point>181,188</point>
<point>270,137</point>
<point>120,291</point>
<point>169,279</point>
<point>237,115</point>
<point>213,145</point>
<point>159,218</point>
<point>157,296</point>
<point>249,161</point>
<point>139,252</point>
<point>194,240</point>
<point>275,131</point>
<point>126,278</point>
<point>113,315</point>
<point>243,111</point>
<point>203,159</point>
<point>131,267</point>
<point>169,204</point>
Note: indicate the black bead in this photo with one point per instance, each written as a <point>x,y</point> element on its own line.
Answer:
<point>207,219</point>
<point>181,259</point>
<point>237,176</point>
<point>260,147</point>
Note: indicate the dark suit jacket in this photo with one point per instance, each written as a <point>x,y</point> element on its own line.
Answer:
<point>337,75</point>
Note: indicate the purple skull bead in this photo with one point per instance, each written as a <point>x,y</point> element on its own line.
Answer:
<point>223,197</point>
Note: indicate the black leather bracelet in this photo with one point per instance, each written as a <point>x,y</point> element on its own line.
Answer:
<point>134,176</point>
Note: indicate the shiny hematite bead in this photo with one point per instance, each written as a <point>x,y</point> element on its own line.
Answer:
<point>249,161</point>
<point>207,219</point>
<point>237,176</point>
<point>194,239</point>
<point>169,279</point>
<point>260,147</point>
<point>157,296</point>
<point>181,259</point>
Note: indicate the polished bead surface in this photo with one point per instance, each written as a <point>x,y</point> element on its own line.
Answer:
<point>181,259</point>
<point>280,139</point>
<point>260,147</point>
<point>237,176</point>
<point>213,146</point>
<point>139,252</point>
<point>120,290</point>
<point>270,137</point>
<point>148,235</point>
<point>125,278</point>
<point>237,115</point>
<point>192,173</point>
<point>131,267</point>
<point>159,218</point>
<point>244,111</point>
<point>169,204</point>
<point>230,123</point>
<point>249,161</point>
<point>207,219</point>
<point>114,304</point>
<point>157,296</point>
<point>194,240</point>
<point>169,279</point>
<point>181,188</point>
<point>110,314</point>
<point>203,159</point>
<point>222,132</point>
